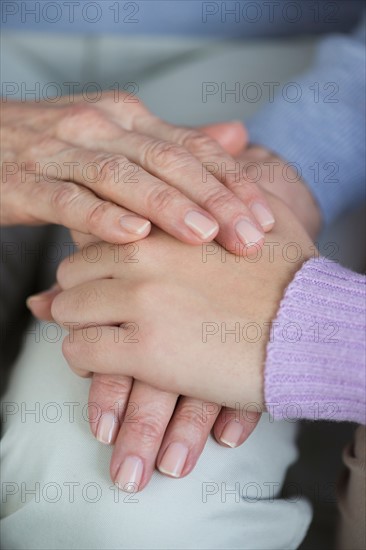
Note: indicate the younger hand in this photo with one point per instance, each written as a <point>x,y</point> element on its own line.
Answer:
<point>194,311</point>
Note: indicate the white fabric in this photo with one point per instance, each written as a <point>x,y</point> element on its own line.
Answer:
<point>50,449</point>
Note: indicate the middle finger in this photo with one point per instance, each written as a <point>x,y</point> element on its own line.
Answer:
<point>140,437</point>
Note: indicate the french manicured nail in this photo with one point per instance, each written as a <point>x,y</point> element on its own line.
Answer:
<point>232,433</point>
<point>201,225</point>
<point>173,460</point>
<point>262,214</point>
<point>134,224</point>
<point>107,428</point>
<point>129,475</point>
<point>248,233</point>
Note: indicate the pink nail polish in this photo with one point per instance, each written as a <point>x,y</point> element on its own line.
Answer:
<point>107,428</point>
<point>263,215</point>
<point>232,433</point>
<point>201,225</point>
<point>174,459</point>
<point>130,474</point>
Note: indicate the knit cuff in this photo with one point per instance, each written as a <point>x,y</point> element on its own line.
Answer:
<point>315,366</point>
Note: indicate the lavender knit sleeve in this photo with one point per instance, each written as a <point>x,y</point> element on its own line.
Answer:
<point>315,366</point>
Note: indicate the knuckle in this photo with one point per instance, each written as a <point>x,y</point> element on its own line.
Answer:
<point>110,385</point>
<point>162,198</point>
<point>148,429</point>
<point>63,196</point>
<point>128,104</point>
<point>94,216</point>
<point>164,155</point>
<point>191,414</point>
<point>218,199</point>
<point>233,180</point>
<point>111,167</point>
<point>198,142</point>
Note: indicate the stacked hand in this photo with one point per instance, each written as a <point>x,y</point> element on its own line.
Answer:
<point>189,320</point>
<point>106,171</point>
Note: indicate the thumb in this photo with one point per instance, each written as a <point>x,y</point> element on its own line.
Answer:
<point>232,136</point>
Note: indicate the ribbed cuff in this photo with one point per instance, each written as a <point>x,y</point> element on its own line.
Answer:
<point>315,366</point>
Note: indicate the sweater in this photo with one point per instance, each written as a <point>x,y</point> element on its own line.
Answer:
<point>315,366</point>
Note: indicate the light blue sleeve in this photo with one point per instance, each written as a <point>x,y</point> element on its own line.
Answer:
<point>319,124</point>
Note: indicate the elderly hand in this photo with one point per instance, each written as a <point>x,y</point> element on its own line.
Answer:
<point>110,168</point>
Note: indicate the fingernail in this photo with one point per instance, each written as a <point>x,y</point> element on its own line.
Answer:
<point>107,428</point>
<point>248,233</point>
<point>174,459</point>
<point>134,224</point>
<point>262,214</point>
<point>129,475</point>
<point>232,433</point>
<point>43,295</point>
<point>201,225</point>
